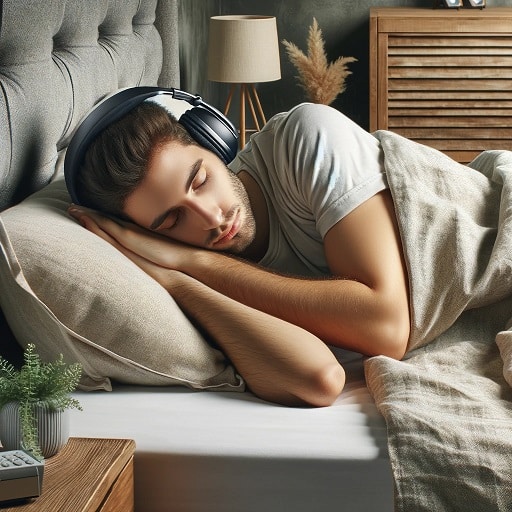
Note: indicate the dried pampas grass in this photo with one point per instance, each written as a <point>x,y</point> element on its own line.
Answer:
<point>322,81</point>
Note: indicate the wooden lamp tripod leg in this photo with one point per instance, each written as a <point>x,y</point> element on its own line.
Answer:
<point>248,94</point>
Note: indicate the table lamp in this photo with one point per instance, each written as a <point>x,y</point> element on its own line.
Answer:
<point>244,50</point>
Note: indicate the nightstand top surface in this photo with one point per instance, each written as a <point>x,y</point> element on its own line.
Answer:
<point>78,478</point>
<point>404,12</point>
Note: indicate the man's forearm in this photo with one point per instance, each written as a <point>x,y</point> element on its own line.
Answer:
<point>279,361</point>
<point>341,312</point>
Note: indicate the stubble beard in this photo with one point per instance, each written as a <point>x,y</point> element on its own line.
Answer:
<point>245,237</point>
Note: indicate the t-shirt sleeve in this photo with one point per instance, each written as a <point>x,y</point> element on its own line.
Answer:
<point>326,165</point>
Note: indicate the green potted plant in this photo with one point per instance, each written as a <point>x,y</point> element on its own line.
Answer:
<point>34,400</point>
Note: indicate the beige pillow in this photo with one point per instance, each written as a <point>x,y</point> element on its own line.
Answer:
<point>70,292</point>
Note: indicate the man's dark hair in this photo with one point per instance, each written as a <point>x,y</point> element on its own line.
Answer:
<point>117,160</point>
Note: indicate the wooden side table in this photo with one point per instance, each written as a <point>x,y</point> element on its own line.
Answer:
<point>88,475</point>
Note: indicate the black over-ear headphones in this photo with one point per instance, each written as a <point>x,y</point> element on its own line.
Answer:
<point>205,124</point>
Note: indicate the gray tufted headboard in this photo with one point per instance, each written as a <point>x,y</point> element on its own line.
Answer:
<point>58,58</point>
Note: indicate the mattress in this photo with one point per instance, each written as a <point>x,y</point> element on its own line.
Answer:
<point>226,451</point>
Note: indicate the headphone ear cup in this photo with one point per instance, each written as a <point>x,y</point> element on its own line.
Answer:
<point>212,132</point>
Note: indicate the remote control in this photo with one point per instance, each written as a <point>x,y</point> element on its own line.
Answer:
<point>21,475</point>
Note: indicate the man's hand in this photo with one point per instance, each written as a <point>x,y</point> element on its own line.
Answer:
<point>146,249</point>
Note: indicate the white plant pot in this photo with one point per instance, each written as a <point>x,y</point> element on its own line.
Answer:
<point>52,428</point>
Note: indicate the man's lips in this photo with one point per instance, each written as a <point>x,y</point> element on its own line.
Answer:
<point>229,233</point>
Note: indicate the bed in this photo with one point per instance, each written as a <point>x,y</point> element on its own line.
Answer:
<point>431,432</point>
<point>203,442</point>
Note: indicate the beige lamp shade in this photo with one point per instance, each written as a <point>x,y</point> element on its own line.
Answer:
<point>243,49</point>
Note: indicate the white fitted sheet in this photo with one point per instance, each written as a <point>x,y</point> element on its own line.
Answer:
<point>220,451</point>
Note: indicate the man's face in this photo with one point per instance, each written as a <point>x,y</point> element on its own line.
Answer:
<point>189,195</point>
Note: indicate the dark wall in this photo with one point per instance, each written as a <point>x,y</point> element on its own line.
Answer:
<point>345,27</point>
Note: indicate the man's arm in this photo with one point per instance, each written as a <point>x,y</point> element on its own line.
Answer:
<point>364,307</point>
<point>279,361</point>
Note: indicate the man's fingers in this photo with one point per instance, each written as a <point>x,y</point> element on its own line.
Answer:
<point>128,237</point>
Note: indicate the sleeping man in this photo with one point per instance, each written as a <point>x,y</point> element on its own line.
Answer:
<point>290,248</point>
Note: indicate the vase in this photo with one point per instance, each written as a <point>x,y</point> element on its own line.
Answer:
<point>52,428</point>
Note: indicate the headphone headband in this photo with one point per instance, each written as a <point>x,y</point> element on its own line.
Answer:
<point>205,124</point>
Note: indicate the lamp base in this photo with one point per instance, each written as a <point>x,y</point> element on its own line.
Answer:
<point>249,96</point>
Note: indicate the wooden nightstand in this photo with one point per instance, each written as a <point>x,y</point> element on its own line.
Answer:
<point>88,475</point>
<point>443,77</point>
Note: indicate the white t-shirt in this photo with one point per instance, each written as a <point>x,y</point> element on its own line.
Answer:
<point>314,166</point>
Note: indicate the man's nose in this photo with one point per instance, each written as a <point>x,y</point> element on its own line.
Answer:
<point>209,214</point>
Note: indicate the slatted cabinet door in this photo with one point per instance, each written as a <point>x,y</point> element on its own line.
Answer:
<point>443,77</point>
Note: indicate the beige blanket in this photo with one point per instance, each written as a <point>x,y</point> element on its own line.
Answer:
<point>448,405</point>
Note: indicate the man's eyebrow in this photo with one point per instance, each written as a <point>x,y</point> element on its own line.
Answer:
<point>191,175</point>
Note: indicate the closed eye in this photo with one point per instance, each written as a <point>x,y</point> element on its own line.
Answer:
<point>200,179</point>
<point>172,220</point>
